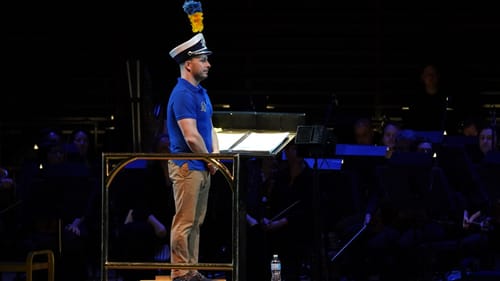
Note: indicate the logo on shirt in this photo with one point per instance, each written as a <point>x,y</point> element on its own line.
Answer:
<point>203,106</point>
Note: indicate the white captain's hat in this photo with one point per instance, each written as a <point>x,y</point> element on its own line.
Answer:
<point>193,47</point>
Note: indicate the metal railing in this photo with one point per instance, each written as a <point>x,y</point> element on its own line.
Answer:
<point>113,163</point>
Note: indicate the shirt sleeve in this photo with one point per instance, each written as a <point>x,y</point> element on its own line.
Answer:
<point>184,106</point>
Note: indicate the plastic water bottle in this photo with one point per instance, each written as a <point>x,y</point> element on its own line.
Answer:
<point>275,268</point>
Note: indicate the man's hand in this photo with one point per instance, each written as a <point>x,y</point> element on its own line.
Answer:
<point>74,227</point>
<point>159,228</point>
<point>269,225</point>
<point>212,169</point>
<point>469,220</point>
<point>130,217</point>
<point>368,218</point>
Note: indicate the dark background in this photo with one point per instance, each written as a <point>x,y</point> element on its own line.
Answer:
<point>66,65</point>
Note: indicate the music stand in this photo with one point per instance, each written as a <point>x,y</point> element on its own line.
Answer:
<point>255,133</point>
<point>316,141</point>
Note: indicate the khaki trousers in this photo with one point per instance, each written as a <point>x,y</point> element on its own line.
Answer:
<point>190,190</point>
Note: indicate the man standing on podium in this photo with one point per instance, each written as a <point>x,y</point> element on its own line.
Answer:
<point>190,129</point>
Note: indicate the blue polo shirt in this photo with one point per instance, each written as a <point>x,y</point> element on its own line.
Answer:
<point>188,101</point>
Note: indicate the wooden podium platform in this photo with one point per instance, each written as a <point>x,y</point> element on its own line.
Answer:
<point>167,278</point>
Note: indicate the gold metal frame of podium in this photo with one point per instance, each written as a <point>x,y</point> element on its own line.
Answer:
<point>113,163</point>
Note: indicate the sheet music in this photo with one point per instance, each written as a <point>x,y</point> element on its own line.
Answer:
<point>227,140</point>
<point>261,142</point>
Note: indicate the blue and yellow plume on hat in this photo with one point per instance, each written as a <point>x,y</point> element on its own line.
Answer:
<point>195,14</point>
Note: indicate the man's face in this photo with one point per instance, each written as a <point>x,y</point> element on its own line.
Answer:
<point>199,67</point>
<point>389,136</point>
<point>486,140</point>
<point>430,76</point>
<point>363,135</point>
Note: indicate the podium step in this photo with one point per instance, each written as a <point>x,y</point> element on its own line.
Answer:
<point>167,278</point>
